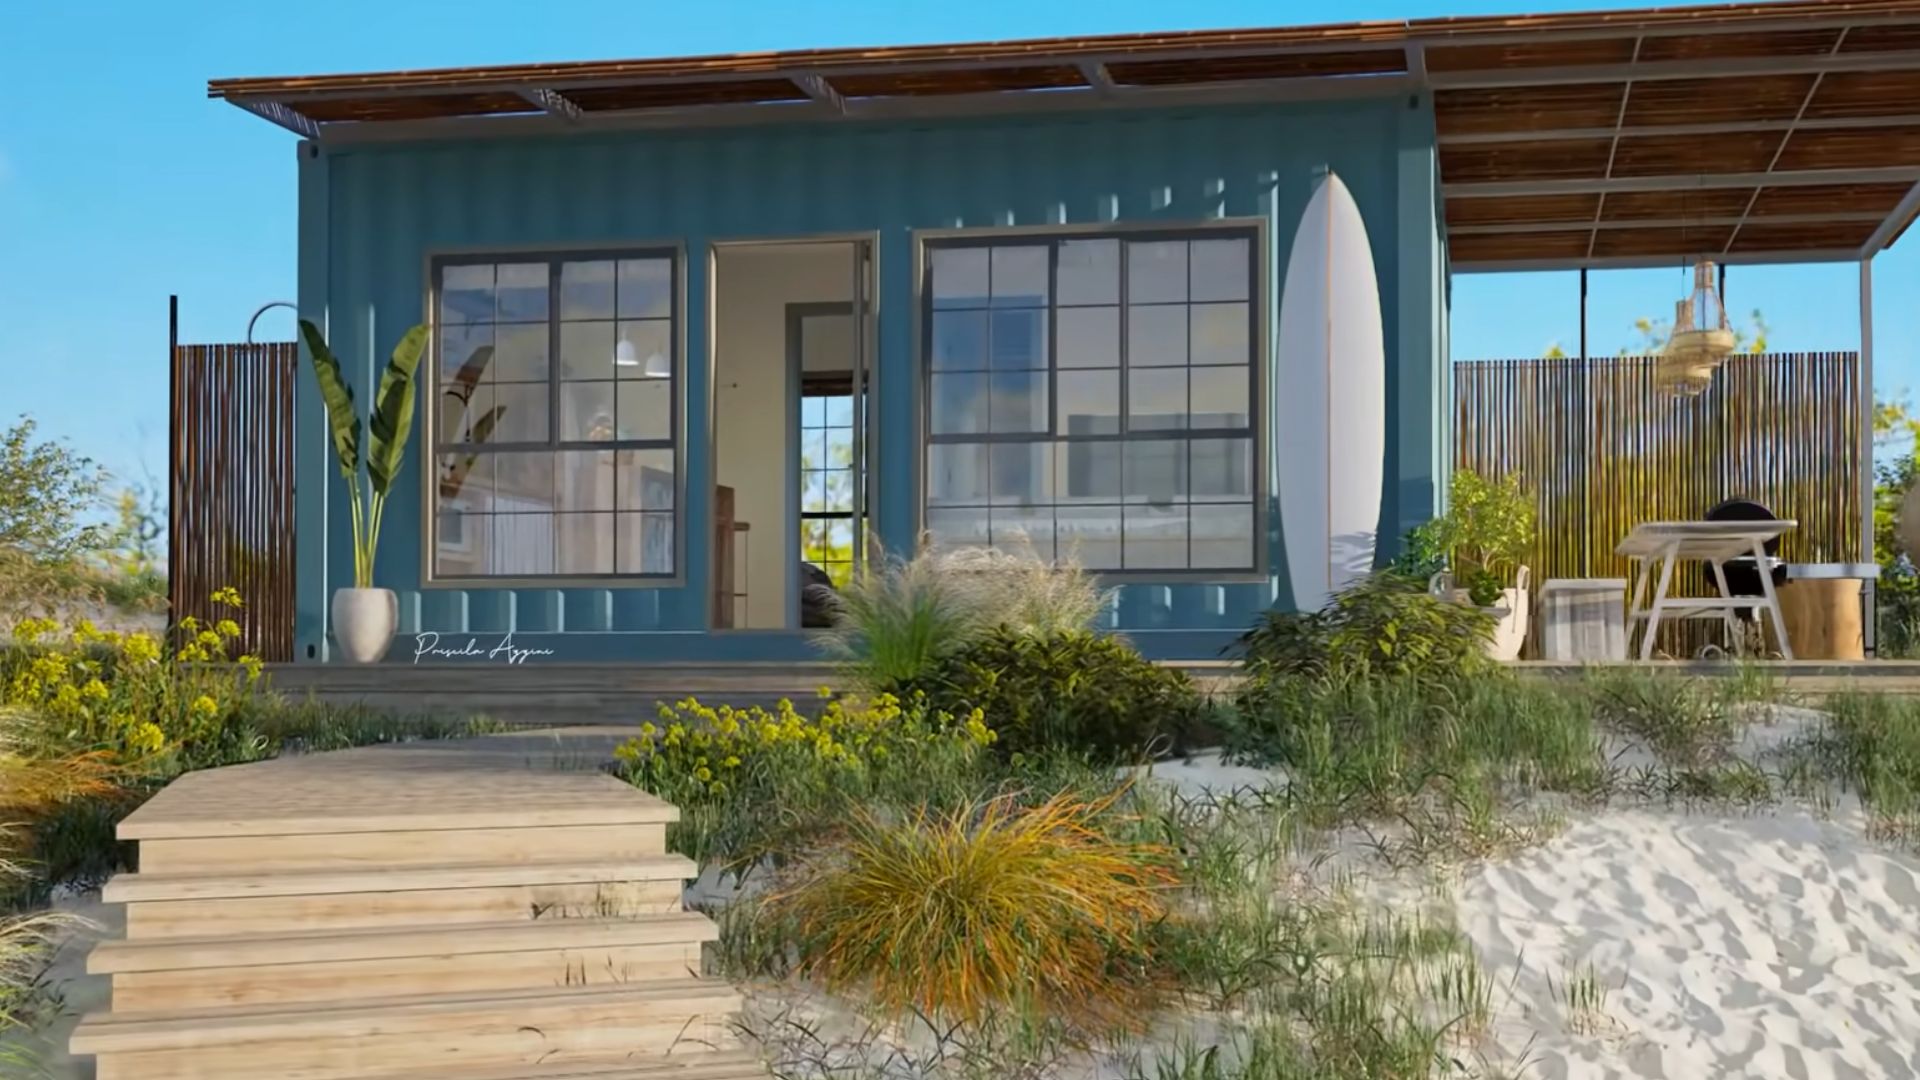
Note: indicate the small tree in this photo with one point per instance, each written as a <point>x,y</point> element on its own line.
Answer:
<point>1487,528</point>
<point>45,486</point>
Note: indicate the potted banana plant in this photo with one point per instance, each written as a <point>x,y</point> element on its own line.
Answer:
<point>365,617</point>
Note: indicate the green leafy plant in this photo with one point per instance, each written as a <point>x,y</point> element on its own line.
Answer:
<point>387,428</point>
<point>1488,526</point>
<point>1073,688</point>
<point>1383,624</point>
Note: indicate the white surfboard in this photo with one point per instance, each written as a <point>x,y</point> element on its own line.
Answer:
<point>1330,399</point>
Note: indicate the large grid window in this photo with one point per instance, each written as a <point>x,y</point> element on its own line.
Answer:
<point>555,433</point>
<point>1092,397</point>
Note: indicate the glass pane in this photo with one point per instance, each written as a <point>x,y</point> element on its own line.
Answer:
<point>1020,276</point>
<point>466,481</point>
<point>1089,272</point>
<point>520,290</point>
<point>959,277</point>
<point>646,288</point>
<point>1019,340</point>
<point>586,290</point>
<point>646,409</point>
<point>1220,397</point>
<point>644,543</point>
<point>1089,402</point>
<point>1223,537</point>
<point>644,350</point>
<point>1220,269</point>
<point>466,295</point>
<point>587,350</point>
<point>1087,472</point>
<point>466,354</point>
<point>958,528</point>
<point>522,544</point>
<point>1156,538</point>
<point>520,352</point>
<point>585,544</point>
<point>959,404</point>
<point>1157,271</point>
<point>643,479</point>
<point>1022,473</point>
<point>522,413</point>
<point>1019,402</point>
<point>1088,337</point>
<point>463,543</point>
<point>1157,399</point>
<point>1222,469</point>
<point>813,413</point>
<point>583,480</point>
<point>840,411</point>
<point>959,340</point>
<point>838,547</point>
<point>463,415</point>
<point>1089,535</point>
<point>1157,336</point>
<point>839,448</point>
<point>523,482</point>
<point>957,474</point>
<point>1221,333</point>
<point>840,491</point>
<point>1156,471</point>
<point>1024,531</point>
<point>813,491</point>
<point>586,412</point>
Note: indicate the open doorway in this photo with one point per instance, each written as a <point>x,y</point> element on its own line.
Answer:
<point>793,329</point>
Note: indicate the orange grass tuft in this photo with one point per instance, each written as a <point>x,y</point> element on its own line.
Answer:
<point>990,906</point>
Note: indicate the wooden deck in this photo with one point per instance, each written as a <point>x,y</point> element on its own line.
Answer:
<point>622,694</point>
<point>493,907</point>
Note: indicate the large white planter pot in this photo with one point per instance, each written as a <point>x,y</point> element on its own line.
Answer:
<point>1512,613</point>
<point>364,621</point>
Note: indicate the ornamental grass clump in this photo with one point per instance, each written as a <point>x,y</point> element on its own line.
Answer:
<point>993,906</point>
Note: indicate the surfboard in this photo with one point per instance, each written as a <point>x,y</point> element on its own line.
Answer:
<point>1330,399</point>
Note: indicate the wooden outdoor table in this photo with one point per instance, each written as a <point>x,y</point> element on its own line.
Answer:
<point>1711,542</point>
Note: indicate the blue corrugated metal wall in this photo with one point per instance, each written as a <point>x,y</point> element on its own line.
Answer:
<point>370,215</point>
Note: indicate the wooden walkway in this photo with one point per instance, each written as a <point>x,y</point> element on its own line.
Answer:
<point>491,907</point>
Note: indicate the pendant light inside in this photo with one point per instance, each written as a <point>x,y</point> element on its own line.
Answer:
<point>1701,337</point>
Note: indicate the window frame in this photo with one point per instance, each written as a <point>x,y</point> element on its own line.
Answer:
<point>437,261</point>
<point>1260,302</point>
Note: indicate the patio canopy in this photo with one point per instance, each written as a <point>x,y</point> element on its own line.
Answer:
<point>1771,132</point>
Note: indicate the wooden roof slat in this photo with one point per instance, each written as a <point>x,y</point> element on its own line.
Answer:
<point>1852,149</point>
<point>1687,155</point>
<point>1698,202</point>
<point>1558,160</point>
<point>1866,93</point>
<point>1794,42</point>
<point>1567,209</point>
<point>1835,198</point>
<point>1504,109</point>
<point>1679,243</point>
<point>1705,101</point>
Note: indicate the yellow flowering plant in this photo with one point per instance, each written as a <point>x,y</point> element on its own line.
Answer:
<point>698,754</point>
<point>128,694</point>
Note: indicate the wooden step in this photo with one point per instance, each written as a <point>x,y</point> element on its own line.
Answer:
<point>724,1065</point>
<point>401,961</point>
<point>209,905</point>
<point>403,1035</point>
<point>401,848</point>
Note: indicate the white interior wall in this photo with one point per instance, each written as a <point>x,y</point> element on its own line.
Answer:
<point>753,422</point>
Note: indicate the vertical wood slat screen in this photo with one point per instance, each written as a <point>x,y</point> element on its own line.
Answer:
<point>231,507</point>
<point>1602,449</point>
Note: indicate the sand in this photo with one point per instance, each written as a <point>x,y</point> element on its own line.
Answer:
<point>1775,944</point>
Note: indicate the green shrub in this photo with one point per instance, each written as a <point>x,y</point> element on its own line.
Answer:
<point>1383,624</point>
<point>1077,689</point>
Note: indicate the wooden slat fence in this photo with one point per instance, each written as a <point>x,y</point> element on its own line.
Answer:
<point>1603,449</point>
<point>231,516</point>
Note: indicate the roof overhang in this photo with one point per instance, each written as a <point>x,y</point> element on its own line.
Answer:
<point>1755,132</point>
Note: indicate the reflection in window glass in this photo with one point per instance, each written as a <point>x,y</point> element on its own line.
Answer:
<point>555,432</point>
<point>1093,398</point>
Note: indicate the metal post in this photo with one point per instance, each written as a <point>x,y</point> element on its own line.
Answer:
<point>1868,597</point>
<point>173,451</point>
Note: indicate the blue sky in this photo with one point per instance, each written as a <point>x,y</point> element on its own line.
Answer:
<point>121,183</point>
